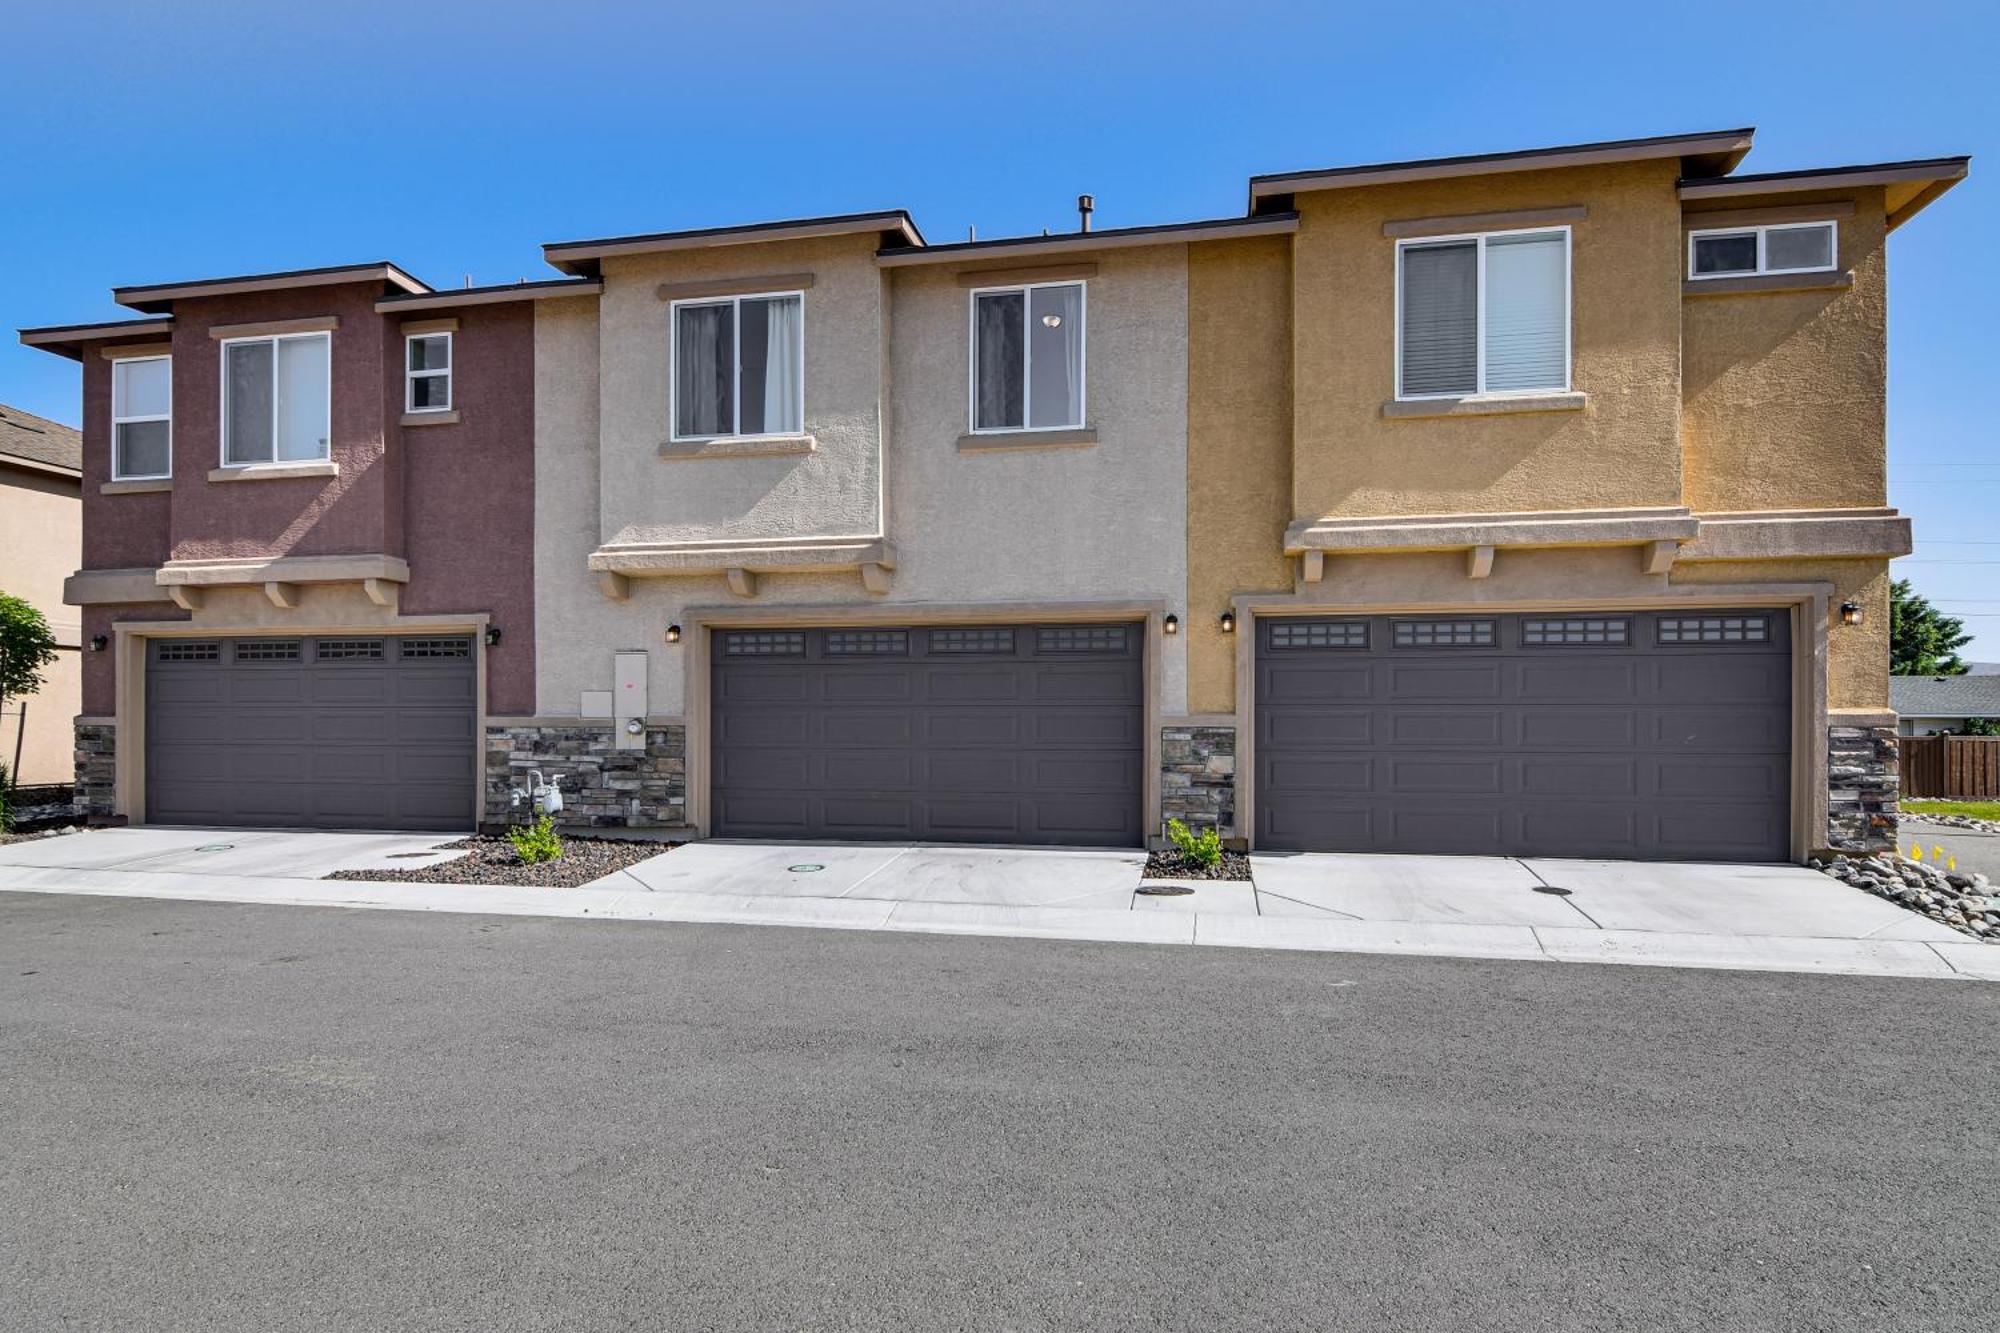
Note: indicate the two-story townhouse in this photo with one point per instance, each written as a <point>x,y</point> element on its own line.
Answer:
<point>1530,502</point>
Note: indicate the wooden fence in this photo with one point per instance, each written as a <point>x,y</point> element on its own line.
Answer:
<point>1958,768</point>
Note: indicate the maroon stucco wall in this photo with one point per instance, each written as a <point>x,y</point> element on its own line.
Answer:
<point>469,496</point>
<point>119,531</point>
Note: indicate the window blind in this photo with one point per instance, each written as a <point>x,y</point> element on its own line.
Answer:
<point>1525,313</point>
<point>1440,318</point>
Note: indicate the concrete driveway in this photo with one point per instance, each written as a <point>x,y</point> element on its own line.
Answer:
<point>1735,916</point>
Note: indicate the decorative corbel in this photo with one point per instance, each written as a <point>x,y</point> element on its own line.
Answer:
<point>1658,557</point>
<point>614,586</point>
<point>381,592</point>
<point>185,597</point>
<point>742,582</point>
<point>1312,566</point>
<point>875,577</point>
<point>284,596</point>
<point>1479,562</point>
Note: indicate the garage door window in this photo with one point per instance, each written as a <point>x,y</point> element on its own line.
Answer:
<point>183,650</point>
<point>1580,632</point>
<point>1714,629</point>
<point>1444,634</point>
<point>1320,634</point>
<point>764,643</point>
<point>267,650</point>
<point>867,643</point>
<point>1081,639</point>
<point>434,648</point>
<point>349,650</point>
<point>972,640</point>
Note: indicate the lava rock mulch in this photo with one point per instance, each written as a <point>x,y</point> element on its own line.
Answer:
<point>1963,902</point>
<point>494,861</point>
<point>1172,865</point>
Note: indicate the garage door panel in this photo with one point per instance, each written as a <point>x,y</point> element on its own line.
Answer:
<point>1411,680</point>
<point>1542,746</point>
<point>978,733</point>
<point>316,740</point>
<point>772,685</point>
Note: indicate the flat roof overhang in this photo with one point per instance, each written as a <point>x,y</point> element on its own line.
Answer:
<point>160,297</point>
<point>580,258</point>
<point>70,339</point>
<point>494,295</point>
<point>1173,233</point>
<point>1907,187</point>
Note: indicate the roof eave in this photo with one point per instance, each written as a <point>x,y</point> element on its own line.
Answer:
<point>466,296</point>
<point>70,339</point>
<point>581,258</point>
<point>1909,187</point>
<point>159,298</point>
<point>1173,233</point>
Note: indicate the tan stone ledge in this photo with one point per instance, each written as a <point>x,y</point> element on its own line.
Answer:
<point>1484,405</point>
<point>1454,532</point>
<point>1723,218</point>
<point>126,351</point>
<point>284,569</point>
<point>1767,284</point>
<point>761,446</point>
<point>1011,276</point>
<point>1854,534</point>
<point>745,286</point>
<point>645,560</point>
<point>449,418</point>
<point>137,486</point>
<point>1861,717</point>
<point>1471,222</point>
<point>415,328</point>
<point>272,328</point>
<point>112,587</point>
<point>1000,442</point>
<point>273,471</point>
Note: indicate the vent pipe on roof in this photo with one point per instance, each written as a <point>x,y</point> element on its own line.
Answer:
<point>1085,206</point>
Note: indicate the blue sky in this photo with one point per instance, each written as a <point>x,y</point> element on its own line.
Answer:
<point>151,142</point>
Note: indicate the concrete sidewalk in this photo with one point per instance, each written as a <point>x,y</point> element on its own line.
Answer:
<point>1780,918</point>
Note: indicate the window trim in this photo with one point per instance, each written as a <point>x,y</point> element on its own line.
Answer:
<point>1479,390</point>
<point>448,374</point>
<point>1027,380</point>
<point>222,375</point>
<point>736,370</point>
<point>117,421</point>
<point>1761,231</point>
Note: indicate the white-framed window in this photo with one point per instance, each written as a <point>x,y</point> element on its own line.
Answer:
<point>1747,252</point>
<point>738,366</point>
<point>142,418</point>
<point>1483,314</point>
<point>277,399</point>
<point>1027,357</point>
<point>427,372</point>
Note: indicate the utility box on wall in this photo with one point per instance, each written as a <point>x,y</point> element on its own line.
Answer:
<point>628,700</point>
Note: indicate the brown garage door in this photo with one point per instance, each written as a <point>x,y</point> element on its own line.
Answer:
<point>1654,735</point>
<point>335,732</point>
<point>980,733</point>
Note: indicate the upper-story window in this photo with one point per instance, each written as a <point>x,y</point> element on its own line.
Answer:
<point>1027,357</point>
<point>739,366</point>
<point>1483,314</point>
<point>142,412</point>
<point>427,372</point>
<point>277,399</point>
<point>1745,252</point>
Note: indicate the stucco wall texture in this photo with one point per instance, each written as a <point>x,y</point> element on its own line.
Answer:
<point>40,538</point>
<point>832,492</point>
<point>1104,523</point>
<point>1785,392</point>
<point>1622,449</point>
<point>1857,655</point>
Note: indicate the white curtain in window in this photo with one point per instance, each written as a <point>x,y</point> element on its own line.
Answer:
<point>1055,357</point>
<point>704,370</point>
<point>999,361</point>
<point>303,394</point>
<point>784,368</point>
<point>1526,308</point>
<point>249,388</point>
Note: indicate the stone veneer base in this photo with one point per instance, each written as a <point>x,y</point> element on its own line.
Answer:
<point>603,787</point>
<point>1863,786</point>
<point>97,772</point>
<point>1198,776</point>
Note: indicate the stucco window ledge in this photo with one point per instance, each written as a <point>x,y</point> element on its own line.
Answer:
<point>1462,532</point>
<point>273,471</point>
<point>1484,405</point>
<point>1009,441</point>
<point>873,559</point>
<point>141,486</point>
<point>1767,284</point>
<point>112,587</point>
<point>755,446</point>
<point>291,569</point>
<point>1873,533</point>
<point>430,418</point>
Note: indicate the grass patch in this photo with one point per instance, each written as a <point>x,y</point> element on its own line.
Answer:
<point>1976,809</point>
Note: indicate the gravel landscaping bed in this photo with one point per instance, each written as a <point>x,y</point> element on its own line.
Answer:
<point>1954,821</point>
<point>494,861</point>
<point>1963,902</point>
<point>30,835</point>
<point>1172,865</point>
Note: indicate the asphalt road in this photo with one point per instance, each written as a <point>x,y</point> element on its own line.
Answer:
<point>1974,849</point>
<point>271,1118</point>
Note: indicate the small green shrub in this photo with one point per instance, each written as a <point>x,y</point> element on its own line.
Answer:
<point>6,811</point>
<point>537,842</point>
<point>1203,849</point>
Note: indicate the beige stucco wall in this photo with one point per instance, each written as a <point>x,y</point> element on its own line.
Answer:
<point>1857,655</point>
<point>1785,392</point>
<point>1621,450</point>
<point>1239,481</point>
<point>1049,527</point>
<point>832,492</point>
<point>41,544</point>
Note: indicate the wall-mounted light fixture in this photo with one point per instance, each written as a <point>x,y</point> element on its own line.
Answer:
<point>673,634</point>
<point>492,636</point>
<point>1228,622</point>
<point>1851,613</point>
<point>98,643</point>
<point>1171,625</point>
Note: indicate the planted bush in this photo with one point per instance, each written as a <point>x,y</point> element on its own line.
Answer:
<point>1203,849</point>
<point>538,842</point>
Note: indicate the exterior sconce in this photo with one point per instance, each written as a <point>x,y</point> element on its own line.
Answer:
<point>1851,613</point>
<point>492,636</point>
<point>98,643</point>
<point>673,634</point>
<point>1171,625</point>
<point>1228,622</point>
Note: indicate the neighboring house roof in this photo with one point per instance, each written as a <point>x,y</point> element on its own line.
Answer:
<point>39,441</point>
<point>1945,696</point>
<point>160,297</point>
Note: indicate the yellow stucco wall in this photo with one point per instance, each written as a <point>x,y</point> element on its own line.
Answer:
<point>1785,392</point>
<point>1857,655</point>
<point>1621,450</point>
<point>41,544</point>
<point>1239,445</point>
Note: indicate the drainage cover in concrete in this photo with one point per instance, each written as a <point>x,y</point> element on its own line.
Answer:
<point>1550,888</point>
<point>805,869</point>
<point>216,847</point>
<point>1165,890</point>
